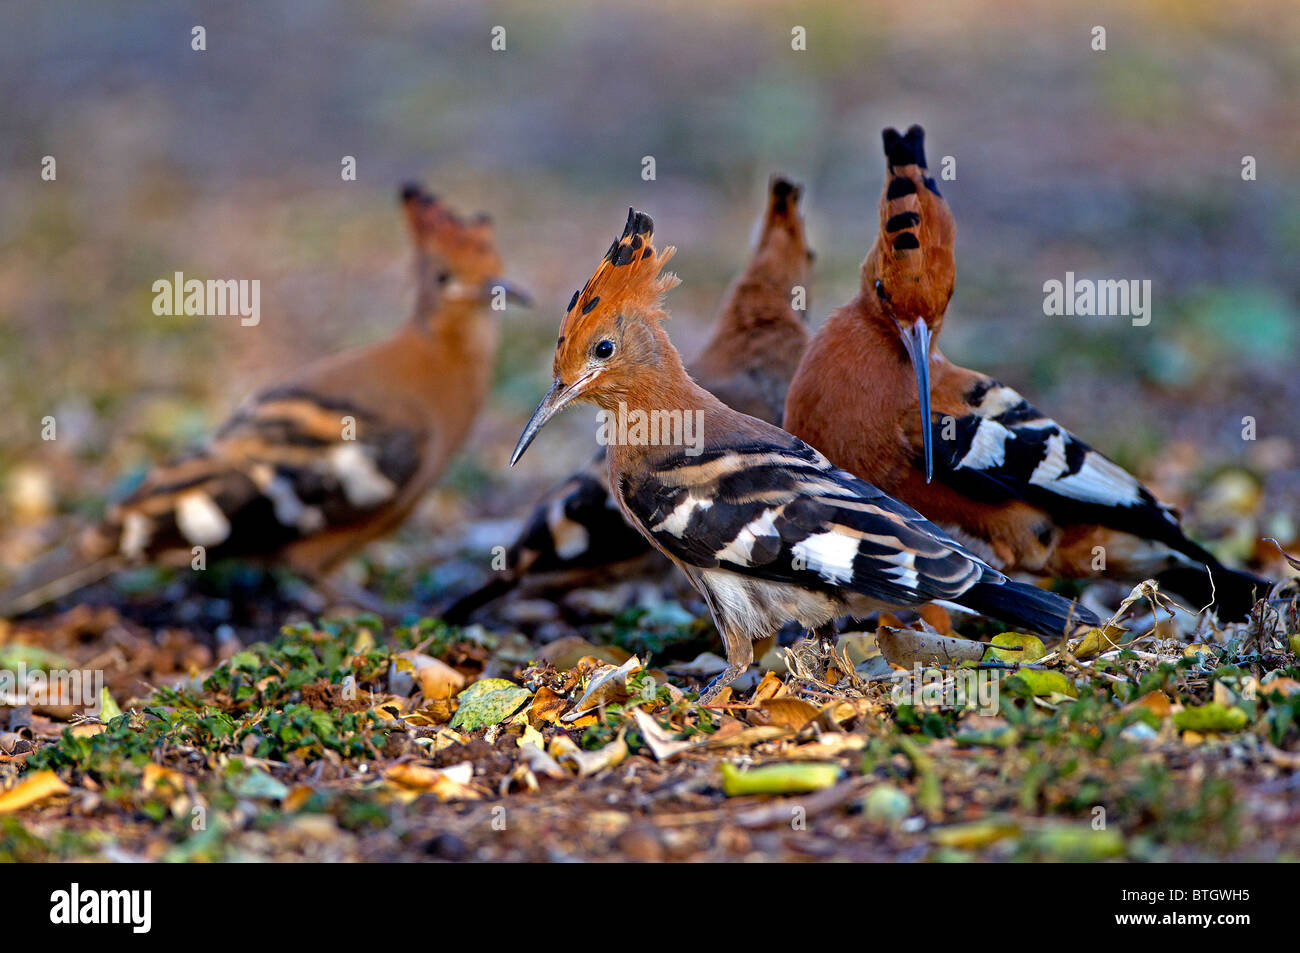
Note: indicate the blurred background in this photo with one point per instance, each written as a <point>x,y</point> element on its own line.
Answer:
<point>226,163</point>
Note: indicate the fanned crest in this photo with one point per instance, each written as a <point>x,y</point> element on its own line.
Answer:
<point>628,278</point>
<point>911,264</point>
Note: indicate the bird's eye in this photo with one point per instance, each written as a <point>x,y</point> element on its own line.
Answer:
<point>880,289</point>
<point>444,277</point>
<point>604,349</point>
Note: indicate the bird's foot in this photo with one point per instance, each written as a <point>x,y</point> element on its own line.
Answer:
<point>721,681</point>
<point>826,637</point>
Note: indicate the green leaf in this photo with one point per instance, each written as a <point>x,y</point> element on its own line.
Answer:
<point>1045,683</point>
<point>778,778</point>
<point>487,702</point>
<point>1075,842</point>
<point>256,784</point>
<point>886,804</point>
<point>1215,716</point>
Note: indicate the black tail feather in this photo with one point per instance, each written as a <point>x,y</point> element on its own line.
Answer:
<point>1028,607</point>
<point>458,610</point>
<point>1231,594</point>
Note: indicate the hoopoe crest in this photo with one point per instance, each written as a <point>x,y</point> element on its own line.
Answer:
<point>907,276</point>
<point>611,332</point>
<point>455,257</point>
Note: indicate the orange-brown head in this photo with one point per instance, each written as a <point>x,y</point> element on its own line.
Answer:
<point>456,259</point>
<point>907,277</point>
<point>611,346</point>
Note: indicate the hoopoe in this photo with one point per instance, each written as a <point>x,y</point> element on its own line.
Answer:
<point>763,525</point>
<point>993,471</point>
<point>310,469</point>
<point>575,532</point>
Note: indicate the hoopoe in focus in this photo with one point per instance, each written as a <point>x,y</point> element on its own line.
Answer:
<point>576,532</point>
<point>1006,480</point>
<point>764,526</point>
<point>310,469</point>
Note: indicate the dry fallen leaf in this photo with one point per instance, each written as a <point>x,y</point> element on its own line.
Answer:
<point>156,776</point>
<point>770,687</point>
<point>547,706</point>
<point>565,653</point>
<point>589,762</point>
<point>539,762</point>
<point>609,685</point>
<point>438,680</point>
<point>1282,685</point>
<point>792,713</point>
<point>34,788</point>
<point>937,617</point>
<point>1156,702</point>
<point>746,736</point>
<point>662,744</point>
<point>448,784</point>
<point>906,648</point>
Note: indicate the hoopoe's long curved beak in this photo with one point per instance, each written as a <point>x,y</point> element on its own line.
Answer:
<point>556,399</point>
<point>917,341</point>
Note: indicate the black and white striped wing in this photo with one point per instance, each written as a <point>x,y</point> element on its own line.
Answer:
<point>287,465</point>
<point>577,525</point>
<point>1005,449</point>
<point>784,513</point>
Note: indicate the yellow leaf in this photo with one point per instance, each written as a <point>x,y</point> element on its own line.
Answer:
<point>1097,640</point>
<point>156,776</point>
<point>1017,647</point>
<point>34,788</point>
<point>448,784</point>
<point>975,834</point>
<point>439,680</point>
<point>297,797</point>
<point>1156,702</point>
<point>531,736</point>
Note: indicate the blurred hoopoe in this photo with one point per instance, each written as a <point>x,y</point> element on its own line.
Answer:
<point>575,532</point>
<point>764,526</point>
<point>310,469</point>
<point>1009,482</point>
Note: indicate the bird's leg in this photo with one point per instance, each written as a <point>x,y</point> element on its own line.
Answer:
<point>740,653</point>
<point>721,681</point>
<point>825,635</point>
